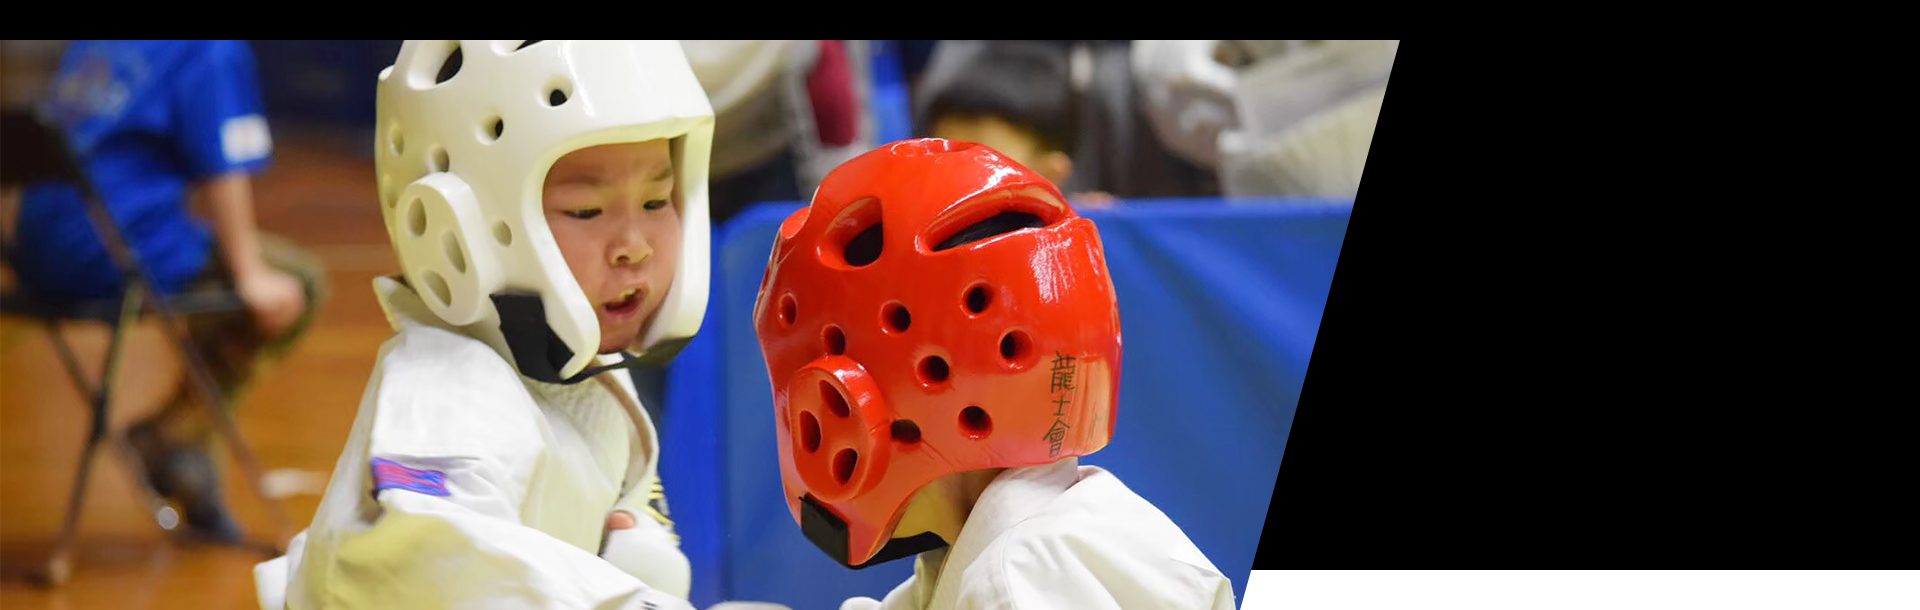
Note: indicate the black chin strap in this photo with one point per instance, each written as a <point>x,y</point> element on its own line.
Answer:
<point>829,532</point>
<point>536,350</point>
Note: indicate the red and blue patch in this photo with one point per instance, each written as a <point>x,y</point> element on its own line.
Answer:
<point>388,474</point>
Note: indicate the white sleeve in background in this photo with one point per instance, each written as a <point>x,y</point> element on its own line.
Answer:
<point>1186,96</point>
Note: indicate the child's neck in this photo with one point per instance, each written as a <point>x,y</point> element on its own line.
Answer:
<point>943,506</point>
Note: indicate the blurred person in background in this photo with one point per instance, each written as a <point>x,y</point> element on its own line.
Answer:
<point>1113,149</point>
<point>160,125</point>
<point>1270,117</point>
<point>785,112</point>
<point>25,68</point>
<point>1016,97</point>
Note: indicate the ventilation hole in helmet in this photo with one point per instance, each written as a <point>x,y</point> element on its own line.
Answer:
<point>503,233</point>
<point>864,248</point>
<point>933,369</point>
<point>1004,222</point>
<point>416,218</point>
<point>494,128</point>
<point>896,318</point>
<point>1014,346</point>
<point>931,146</point>
<point>835,402</point>
<point>836,341</point>
<point>438,285</point>
<point>843,464</point>
<point>853,238</point>
<point>974,423</point>
<point>788,310</point>
<point>451,245</point>
<point>440,161</point>
<point>978,297</point>
<point>450,67</point>
<point>809,432</point>
<point>527,44</point>
<point>906,432</point>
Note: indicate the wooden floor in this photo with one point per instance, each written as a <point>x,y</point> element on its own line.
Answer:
<point>319,193</point>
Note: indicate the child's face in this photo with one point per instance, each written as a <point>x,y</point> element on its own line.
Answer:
<point>615,215</point>
<point>1010,140</point>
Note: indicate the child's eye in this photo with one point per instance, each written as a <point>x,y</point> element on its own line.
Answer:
<point>656,204</point>
<point>584,214</point>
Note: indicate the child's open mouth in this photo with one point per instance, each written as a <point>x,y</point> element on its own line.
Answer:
<point>628,303</point>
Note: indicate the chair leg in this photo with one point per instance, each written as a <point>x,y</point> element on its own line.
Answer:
<point>59,564</point>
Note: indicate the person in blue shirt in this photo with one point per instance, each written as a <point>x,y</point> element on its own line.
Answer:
<point>162,127</point>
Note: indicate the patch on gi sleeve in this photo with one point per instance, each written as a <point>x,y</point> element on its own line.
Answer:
<point>388,474</point>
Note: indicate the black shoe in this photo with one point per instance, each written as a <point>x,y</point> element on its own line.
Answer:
<point>185,476</point>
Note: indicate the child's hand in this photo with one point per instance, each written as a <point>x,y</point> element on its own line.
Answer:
<point>617,520</point>
<point>275,298</point>
<point>650,554</point>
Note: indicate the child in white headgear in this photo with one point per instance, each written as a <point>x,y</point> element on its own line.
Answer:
<point>548,203</point>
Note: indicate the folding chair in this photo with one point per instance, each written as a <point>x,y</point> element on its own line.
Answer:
<point>31,151</point>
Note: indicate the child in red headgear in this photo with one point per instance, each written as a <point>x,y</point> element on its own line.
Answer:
<point>944,342</point>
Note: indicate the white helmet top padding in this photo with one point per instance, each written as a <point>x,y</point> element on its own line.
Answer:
<point>461,161</point>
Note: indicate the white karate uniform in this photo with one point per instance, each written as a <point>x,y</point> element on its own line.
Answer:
<point>1061,536</point>
<point>531,471</point>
